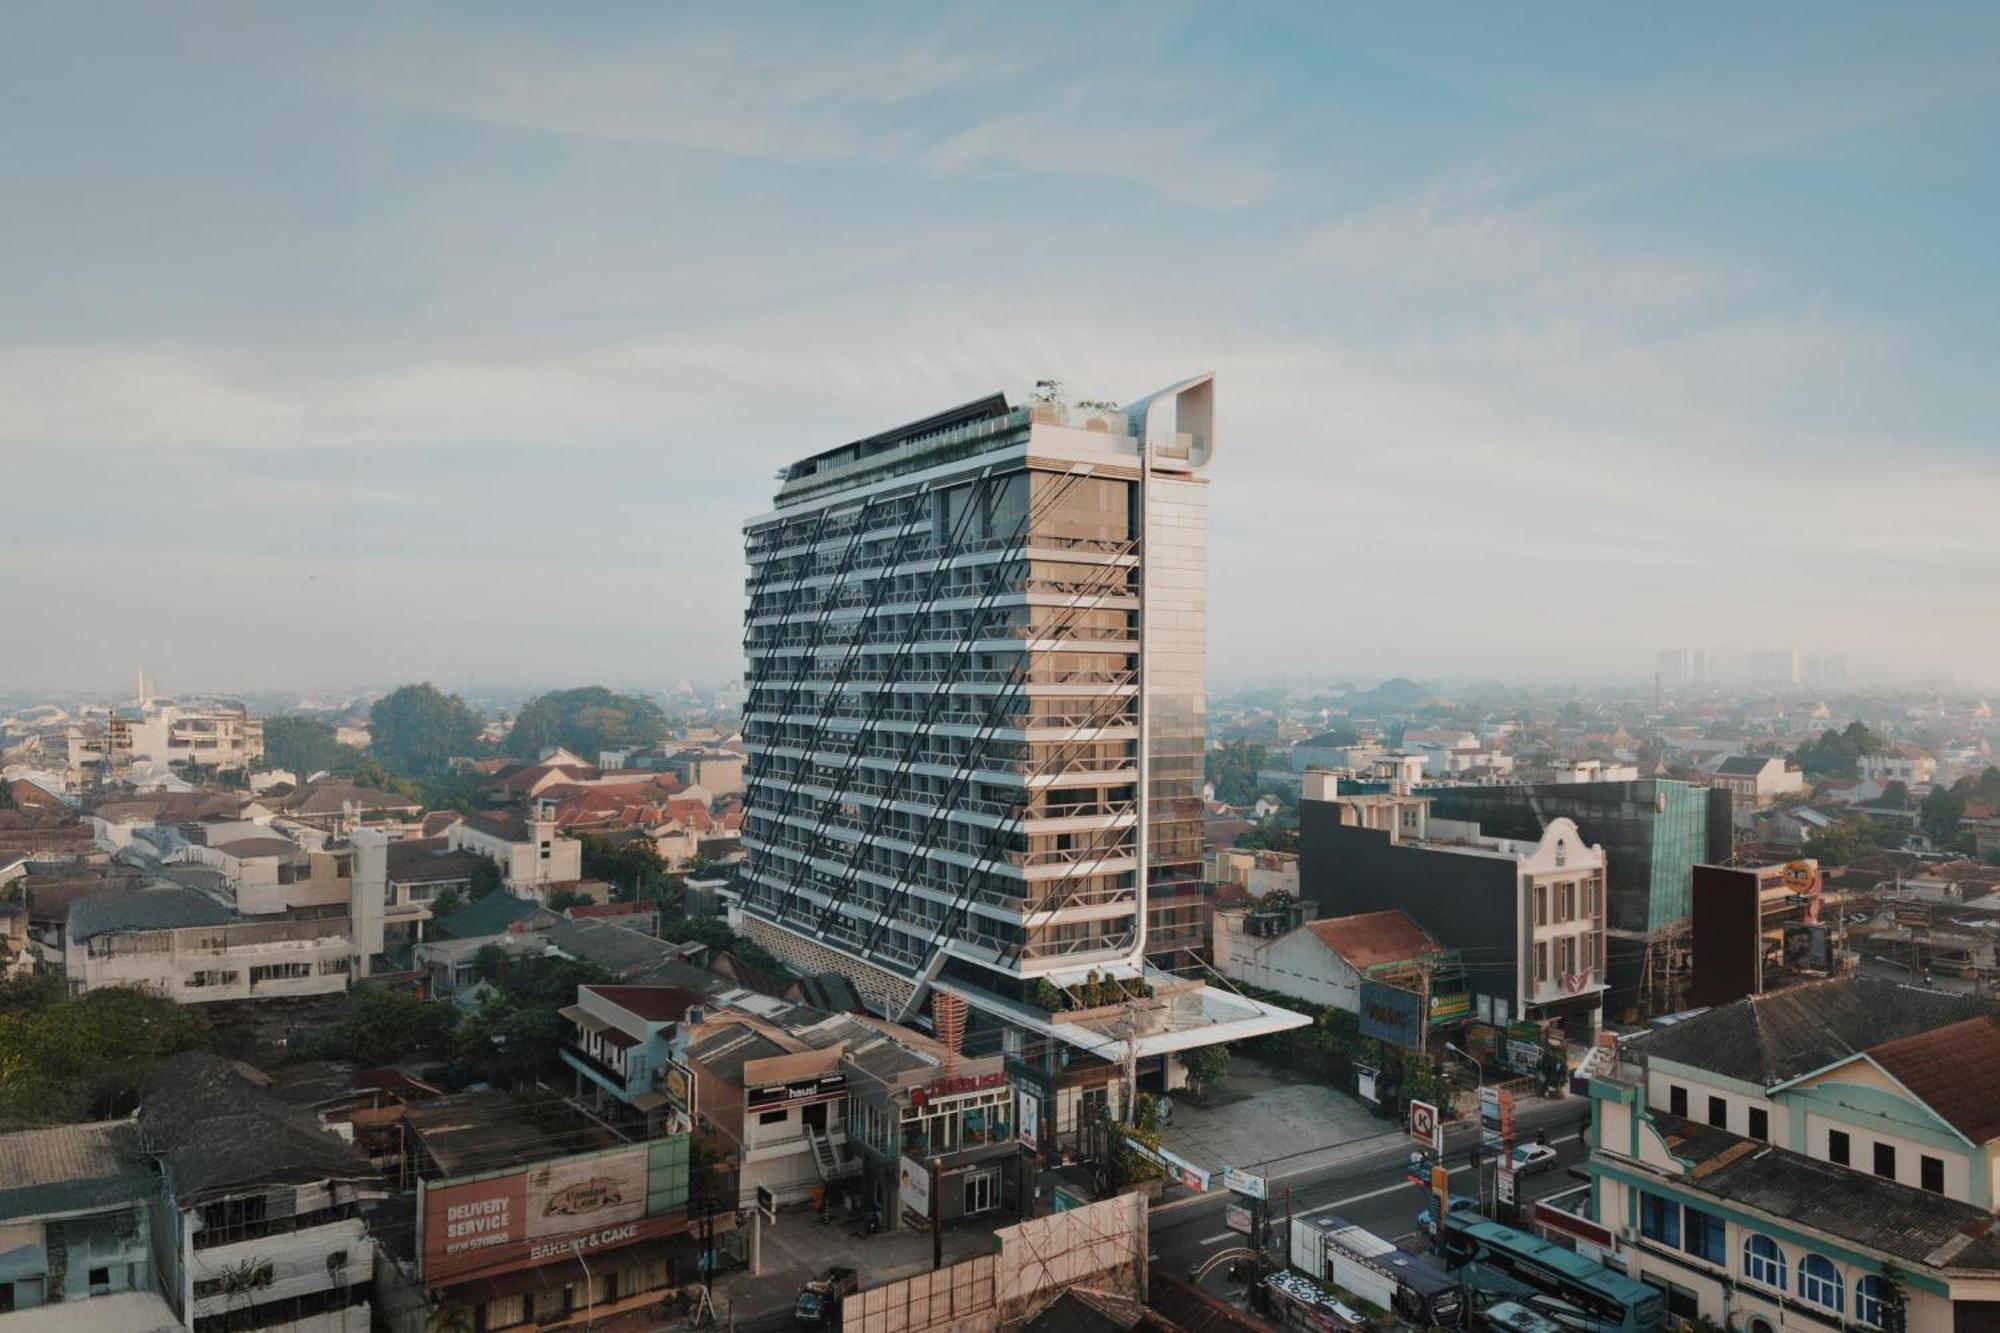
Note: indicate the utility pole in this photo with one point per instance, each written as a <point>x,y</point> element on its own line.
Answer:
<point>937,1217</point>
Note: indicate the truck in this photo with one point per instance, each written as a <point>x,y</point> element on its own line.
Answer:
<point>819,1300</point>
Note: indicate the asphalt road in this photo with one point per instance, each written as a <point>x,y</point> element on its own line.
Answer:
<point>1371,1191</point>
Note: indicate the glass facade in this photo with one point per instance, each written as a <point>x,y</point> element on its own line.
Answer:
<point>943,716</point>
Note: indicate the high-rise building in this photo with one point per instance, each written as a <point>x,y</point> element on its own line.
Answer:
<point>1775,668</point>
<point>975,709</point>
<point>1681,666</point>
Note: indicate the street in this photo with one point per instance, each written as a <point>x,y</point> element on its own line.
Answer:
<point>1371,1191</point>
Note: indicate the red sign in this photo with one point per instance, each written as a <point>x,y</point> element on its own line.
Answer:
<point>1578,1228</point>
<point>949,1087</point>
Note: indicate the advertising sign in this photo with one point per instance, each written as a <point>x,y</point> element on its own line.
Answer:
<point>826,1088</point>
<point>1237,1218</point>
<point>677,1082</point>
<point>1242,1182</point>
<point>1496,1116</point>
<point>914,1187</point>
<point>1364,1084</point>
<point>573,1204</point>
<point>1426,1128</point>
<point>1028,1116</point>
<point>1504,1185</point>
<point>1393,1015</point>
<point>767,1203</point>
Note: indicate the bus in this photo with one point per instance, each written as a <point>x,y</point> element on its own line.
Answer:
<point>1552,1281</point>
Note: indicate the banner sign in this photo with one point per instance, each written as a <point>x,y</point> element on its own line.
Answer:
<point>1393,1015</point>
<point>825,1089</point>
<point>914,1187</point>
<point>1242,1182</point>
<point>1029,1117</point>
<point>1237,1218</point>
<point>520,1218</point>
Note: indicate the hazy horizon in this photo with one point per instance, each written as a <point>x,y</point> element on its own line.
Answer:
<point>386,343</point>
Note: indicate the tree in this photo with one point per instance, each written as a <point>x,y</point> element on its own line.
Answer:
<point>383,1026</point>
<point>1205,1065</point>
<point>418,729</point>
<point>1845,842</point>
<point>305,746</point>
<point>564,899</point>
<point>64,1060</point>
<point>585,721</point>
<point>1835,753</point>
<point>485,879</point>
<point>448,902</point>
<point>629,867</point>
<point>1233,767</point>
<point>1942,810</point>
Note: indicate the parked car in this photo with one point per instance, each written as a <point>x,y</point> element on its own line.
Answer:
<point>1460,1203</point>
<point>1531,1158</point>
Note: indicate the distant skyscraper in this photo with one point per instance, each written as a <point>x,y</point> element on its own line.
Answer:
<point>1682,666</point>
<point>976,668</point>
<point>1825,669</point>
<point>1777,668</point>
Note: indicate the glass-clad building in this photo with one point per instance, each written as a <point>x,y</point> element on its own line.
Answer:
<point>976,667</point>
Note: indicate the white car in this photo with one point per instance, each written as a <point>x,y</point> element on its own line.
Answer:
<point>1530,1158</point>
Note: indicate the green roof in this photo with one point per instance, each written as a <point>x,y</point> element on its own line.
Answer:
<point>491,915</point>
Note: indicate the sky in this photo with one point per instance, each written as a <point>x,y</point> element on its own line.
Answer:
<point>349,344</point>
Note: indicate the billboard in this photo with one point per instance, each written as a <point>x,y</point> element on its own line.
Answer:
<point>914,1187</point>
<point>677,1082</point>
<point>1393,1015</point>
<point>801,1092</point>
<point>481,1225</point>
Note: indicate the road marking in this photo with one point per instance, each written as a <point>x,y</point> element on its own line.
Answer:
<point>1359,1198</point>
<point>1210,1240</point>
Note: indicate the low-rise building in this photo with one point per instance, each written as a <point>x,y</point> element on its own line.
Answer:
<point>1325,962</point>
<point>1532,911</point>
<point>527,847</point>
<point>1822,1156</point>
<point>1755,781</point>
<point>257,1222</point>
<point>616,1041</point>
<point>1906,765</point>
<point>73,1207</point>
<point>191,949</point>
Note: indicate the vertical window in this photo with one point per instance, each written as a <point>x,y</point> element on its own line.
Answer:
<point>1541,962</point>
<point>1885,1160</point>
<point>1677,1101</point>
<point>1933,1174</point>
<point>1541,904</point>
<point>1868,1301</point>
<point>1760,1123</point>
<point>1718,1112</point>
<point>1837,1147</point>
<point>1660,1220</point>
<point>1819,1283</point>
<point>1763,1261</point>
<point>1703,1235</point>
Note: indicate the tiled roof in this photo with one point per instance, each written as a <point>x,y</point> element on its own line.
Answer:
<point>491,915</point>
<point>1742,765</point>
<point>1955,1071</point>
<point>1371,939</point>
<point>655,1004</point>
<point>1770,1039</point>
<point>1910,1224</point>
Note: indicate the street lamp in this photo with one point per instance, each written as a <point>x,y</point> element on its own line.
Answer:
<point>1477,1072</point>
<point>589,1296</point>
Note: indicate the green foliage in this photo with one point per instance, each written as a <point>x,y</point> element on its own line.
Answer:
<point>448,902</point>
<point>629,867</point>
<point>1047,996</point>
<point>584,721</point>
<point>716,934</point>
<point>563,899</point>
<point>1271,836</point>
<point>1332,1045</point>
<point>1834,754</point>
<point>305,746</point>
<point>64,1060</point>
<point>383,1026</point>
<point>416,730</point>
<point>1205,1065</point>
<point>1945,806</point>
<point>513,1038</point>
<point>1846,842</point>
<point>485,879</point>
<point>1233,767</point>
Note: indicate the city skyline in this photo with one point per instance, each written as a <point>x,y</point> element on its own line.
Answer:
<point>1660,332</point>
